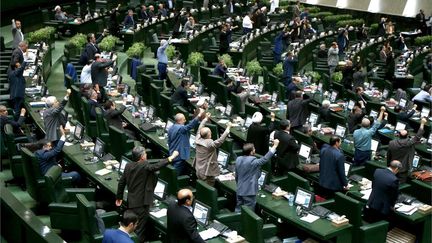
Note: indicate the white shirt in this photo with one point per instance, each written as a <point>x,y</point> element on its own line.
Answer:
<point>247,23</point>
<point>86,75</point>
<point>274,4</point>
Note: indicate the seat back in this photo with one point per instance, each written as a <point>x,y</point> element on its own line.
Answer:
<point>208,195</point>
<point>34,180</point>
<point>16,166</point>
<point>251,226</point>
<point>76,102</point>
<point>345,205</point>
<point>118,141</point>
<point>169,175</point>
<point>336,119</point>
<point>155,38</point>
<point>155,97</point>
<point>86,213</point>
<point>295,181</point>
<point>165,102</point>
<point>303,138</point>
<point>221,92</point>
<point>85,108</point>
<point>236,103</point>
<point>54,184</point>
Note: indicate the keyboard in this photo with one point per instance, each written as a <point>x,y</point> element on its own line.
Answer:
<point>404,198</point>
<point>218,226</point>
<point>356,178</point>
<point>320,211</point>
<point>107,157</point>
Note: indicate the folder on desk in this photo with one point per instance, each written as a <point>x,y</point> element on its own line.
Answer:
<point>103,172</point>
<point>37,104</point>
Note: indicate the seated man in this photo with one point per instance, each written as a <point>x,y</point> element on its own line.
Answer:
<point>220,69</point>
<point>93,102</point>
<point>128,225</point>
<point>113,117</point>
<point>5,119</point>
<point>180,95</point>
<point>48,154</point>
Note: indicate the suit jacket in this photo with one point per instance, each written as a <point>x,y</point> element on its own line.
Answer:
<point>178,139</point>
<point>181,225</point>
<point>141,179</point>
<point>17,56</point>
<point>332,169</point>
<point>298,111</point>
<point>220,71</point>
<point>248,171</point>
<point>93,104</point>
<point>91,49</point>
<point>179,97</point>
<point>8,120</point>
<point>288,67</point>
<point>129,22</point>
<point>17,82</point>
<point>17,34</point>
<point>98,73</point>
<point>52,120</point>
<point>287,150</point>
<point>144,15</point>
<point>47,158</point>
<point>224,40</point>
<point>206,153</point>
<point>385,191</point>
<point>113,117</point>
<point>259,136</point>
<point>403,150</point>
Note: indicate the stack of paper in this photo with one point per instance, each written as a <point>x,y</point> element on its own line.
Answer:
<point>310,218</point>
<point>159,214</point>
<point>208,234</point>
<point>407,209</point>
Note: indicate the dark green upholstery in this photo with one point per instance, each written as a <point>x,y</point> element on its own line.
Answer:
<point>155,100</point>
<point>169,175</point>
<point>90,126</point>
<point>14,157</point>
<point>120,143</point>
<point>221,92</point>
<point>165,102</point>
<point>253,228</point>
<point>89,228</point>
<point>214,130</point>
<point>34,180</point>
<point>209,196</point>
<point>303,138</point>
<point>238,106</point>
<point>75,101</point>
<point>336,119</point>
<point>293,181</point>
<point>102,127</point>
<point>373,233</point>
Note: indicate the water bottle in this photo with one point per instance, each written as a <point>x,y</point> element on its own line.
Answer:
<point>142,117</point>
<point>109,87</point>
<point>291,200</point>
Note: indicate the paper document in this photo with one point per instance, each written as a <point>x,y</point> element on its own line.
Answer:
<point>407,209</point>
<point>226,177</point>
<point>103,172</point>
<point>366,193</point>
<point>309,218</point>
<point>223,121</point>
<point>159,214</point>
<point>208,234</point>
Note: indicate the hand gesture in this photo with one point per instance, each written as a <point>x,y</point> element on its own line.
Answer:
<point>272,115</point>
<point>229,125</point>
<point>68,92</point>
<point>118,202</point>
<point>383,108</point>
<point>62,131</point>
<point>23,112</point>
<point>275,143</point>
<point>423,121</point>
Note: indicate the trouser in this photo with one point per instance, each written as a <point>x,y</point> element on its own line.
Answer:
<point>331,70</point>
<point>143,214</point>
<point>371,215</point>
<point>76,177</point>
<point>360,157</point>
<point>162,69</point>
<point>276,57</point>
<point>402,176</point>
<point>246,30</point>
<point>249,201</point>
<point>17,104</point>
<point>287,80</point>
<point>180,167</point>
<point>208,179</point>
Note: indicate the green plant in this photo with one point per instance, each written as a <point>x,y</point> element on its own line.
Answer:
<point>320,15</point>
<point>314,75</point>
<point>424,40</point>
<point>336,18</point>
<point>254,68</point>
<point>170,52</point>
<point>78,40</point>
<point>195,59</point>
<point>227,60</point>
<point>350,22</point>
<point>136,50</point>
<point>278,70</point>
<point>374,28</point>
<point>337,76</point>
<point>44,34</point>
<point>314,9</point>
<point>108,43</point>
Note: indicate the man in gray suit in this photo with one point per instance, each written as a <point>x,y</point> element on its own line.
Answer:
<point>248,171</point>
<point>52,116</point>
<point>17,34</point>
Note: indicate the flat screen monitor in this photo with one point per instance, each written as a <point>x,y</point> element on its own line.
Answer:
<point>425,112</point>
<point>400,126</point>
<point>333,96</point>
<point>260,88</point>
<point>385,93</point>
<point>415,162</point>
<point>192,140</point>
<point>313,118</point>
<point>168,125</point>
<point>303,198</point>
<point>200,89</point>
<point>136,101</point>
<point>123,163</point>
<point>374,145</point>
<point>402,102</point>
<point>429,141</point>
<point>373,114</point>
<point>99,148</point>
<point>160,190</point>
<point>79,131</point>
<point>228,110</point>
<point>351,104</point>
<point>150,112</point>
<point>340,131</point>
<point>222,158</point>
<point>305,151</point>
<point>201,212</point>
<point>347,167</point>
<point>212,100</point>
<point>262,179</point>
<point>248,122</point>
<point>274,97</point>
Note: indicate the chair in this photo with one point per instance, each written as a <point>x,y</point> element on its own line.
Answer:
<point>169,174</point>
<point>253,228</point>
<point>336,119</point>
<point>15,162</point>
<point>209,196</point>
<point>120,143</point>
<point>290,182</point>
<point>89,228</point>
<point>214,130</point>
<point>165,102</point>
<point>155,97</point>
<point>238,106</point>
<point>63,208</point>
<point>90,125</point>
<point>102,127</point>
<point>76,103</point>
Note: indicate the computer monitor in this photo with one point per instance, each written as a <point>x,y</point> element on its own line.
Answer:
<point>44,90</point>
<point>160,190</point>
<point>347,167</point>
<point>429,141</point>
<point>124,161</point>
<point>425,112</point>
<point>340,131</point>
<point>400,126</point>
<point>79,131</point>
<point>313,118</point>
<point>402,102</point>
<point>212,100</point>
<point>192,141</point>
<point>248,122</point>
<point>222,158</point>
<point>274,97</point>
<point>260,88</point>
<point>200,89</point>
<point>201,212</point>
<point>136,101</point>
<point>99,148</point>
<point>303,198</point>
<point>168,124</point>
<point>333,96</point>
<point>385,93</point>
<point>126,89</point>
<point>262,179</point>
<point>351,104</point>
<point>150,112</point>
<point>374,145</point>
<point>228,110</point>
<point>373,114</point>
<point>415,162</point>
<point>305,151</point>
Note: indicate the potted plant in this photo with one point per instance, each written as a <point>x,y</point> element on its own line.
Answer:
<point>278,70</point>
<point>45,34</point>
<point>227,60</point>
<point>170,52</point>
<point>314,75</point>
<point>136,51</point>
<point>194,60</point>
<point>254,69</point>
<point>108,43</point>
<point>337,76</point>
<point>76,44</point>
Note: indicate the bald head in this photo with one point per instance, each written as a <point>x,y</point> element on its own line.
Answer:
<point>403,133</point>
<point>395,166</point>
<point>205,132</point>
<point>365,122</point>
<point>184,197</point>
<point>180,118</point>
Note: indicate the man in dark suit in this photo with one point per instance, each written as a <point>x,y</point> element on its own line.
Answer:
<point>5,119</point>
<point>288,69</point>
<point>421,22</point>
<point>225,38</point>
<point>180,95</point>
<point>298,111</point>
<point>143,13</point>
<point>181,224</point>
<point>403,150</point>
<point>287,157</point>
<point>18,53</point>
<point>129,21</point>
<point>17,85</point>
<point>220,69</point>
<point>140,178</point>
<point>93,104</point>
<point>385,191</point>
<point>91,48</point>
<point>113,117</point>
<point>258,135</point>
<point>99,73</point>
<point>332,171</point>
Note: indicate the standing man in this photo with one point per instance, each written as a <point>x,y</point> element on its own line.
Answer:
<point>99,73</point>
<point>181,223</point>
<point>362,139</point>
<point>18,53</point>
<point>17,34</point>
<point>298,110</point>
<point>140,178</point>
<point>178,140</point>
<point>52,116</point>
<point>162,59</point>
<point>332,58</point>
<point>287,157</point>
<point>128,225</point>
<point>421,19</point>
<point>332,170</point>
<point>248,171</point>
<point>224,39</point>
<point>258,134</point>
<point>403,150</point>
<point>91,48</point>
<point>385,191</point>
<point>279,45</point>
<point>288,69</point>
<point>206,164</point>
<point>17,85</point>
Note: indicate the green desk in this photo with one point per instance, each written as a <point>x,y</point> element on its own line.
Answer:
<point>348,149</point>
<point>421,148</point>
